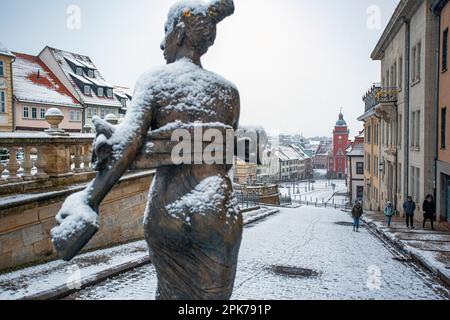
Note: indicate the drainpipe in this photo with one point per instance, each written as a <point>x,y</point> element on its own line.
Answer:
<point>437,124</point>
<point>407,100</point>
<point>13,108</point>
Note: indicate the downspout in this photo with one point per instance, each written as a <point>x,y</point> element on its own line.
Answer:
<point>13,108</point>
<point>437,124</point>
<point>407,100</point>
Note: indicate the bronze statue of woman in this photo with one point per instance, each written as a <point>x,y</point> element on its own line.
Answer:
<point>192,224</point>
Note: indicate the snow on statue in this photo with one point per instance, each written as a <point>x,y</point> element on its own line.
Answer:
<point>192,224</point>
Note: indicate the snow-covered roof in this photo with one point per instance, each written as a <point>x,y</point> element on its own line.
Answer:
<point>5,52</point>
<point>62,57</point>
<point>35,83</point>
<point>356,150</point>
<point>81,79</point>
<point>288,153</point>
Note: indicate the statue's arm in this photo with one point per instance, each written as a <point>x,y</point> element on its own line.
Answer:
<point>117,149</point>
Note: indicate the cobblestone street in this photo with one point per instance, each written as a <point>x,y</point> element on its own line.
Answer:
<point>303,253</point>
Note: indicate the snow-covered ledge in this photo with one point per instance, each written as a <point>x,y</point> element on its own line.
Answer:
<point>39,156</point>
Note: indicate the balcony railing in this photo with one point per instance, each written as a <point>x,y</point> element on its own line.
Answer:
<point>378,94</point>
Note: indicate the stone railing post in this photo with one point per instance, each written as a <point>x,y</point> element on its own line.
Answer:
<point>13,165</point>
<point>77,159</point>
<point>27,164</point>
<point>2,168</point>
<point>41,165</point>
<point>87,157</point>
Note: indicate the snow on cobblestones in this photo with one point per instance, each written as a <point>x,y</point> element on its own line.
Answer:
<point>351,265</point>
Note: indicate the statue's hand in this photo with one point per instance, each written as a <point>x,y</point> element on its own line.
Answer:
<point>102,151</point>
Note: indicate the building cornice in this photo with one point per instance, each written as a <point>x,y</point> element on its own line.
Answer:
<point>438,5</point>
<point>403,13</point>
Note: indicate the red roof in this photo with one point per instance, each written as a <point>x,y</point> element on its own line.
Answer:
<point>35,82</point>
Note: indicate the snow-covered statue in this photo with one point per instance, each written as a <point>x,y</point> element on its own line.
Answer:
<point>192,224</point>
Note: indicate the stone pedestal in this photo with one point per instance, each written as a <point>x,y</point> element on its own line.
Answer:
<point>57,160</point>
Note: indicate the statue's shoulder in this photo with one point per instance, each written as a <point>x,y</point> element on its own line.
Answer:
<point>182,74</point>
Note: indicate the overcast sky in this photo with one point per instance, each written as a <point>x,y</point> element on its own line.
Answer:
<point>296,62</point>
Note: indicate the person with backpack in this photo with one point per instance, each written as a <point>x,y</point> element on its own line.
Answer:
<point>389,213</point>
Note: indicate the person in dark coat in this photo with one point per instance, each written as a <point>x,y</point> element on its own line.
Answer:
<point>429,211</point>
<point>410,208</point>
<point>357,213</point>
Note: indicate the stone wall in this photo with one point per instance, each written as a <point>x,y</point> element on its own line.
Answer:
<point>26,221</point>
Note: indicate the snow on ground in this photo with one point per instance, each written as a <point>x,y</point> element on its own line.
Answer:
<point>323,191</point>
<point>351,266</point>
<point>48,276</point>
<point>44,277</point>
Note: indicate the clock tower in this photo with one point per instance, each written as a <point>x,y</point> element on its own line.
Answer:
<point>338,164</point>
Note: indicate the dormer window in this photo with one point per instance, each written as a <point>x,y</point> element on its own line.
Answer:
<point>87,90</point>
<point>109,93</point>
<point>79,71</point>
<point>124,103</point>
<point>2,69</point>
<point>100,92</point>
<point>90,73</point>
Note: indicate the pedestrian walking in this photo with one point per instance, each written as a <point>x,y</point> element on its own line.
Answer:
<point>389,212</point>
<point>410,208</point>
<point>429,211</point>
<point>357,213</point>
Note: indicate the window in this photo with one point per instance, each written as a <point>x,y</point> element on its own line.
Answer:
<point>359,192</point>
<point>400,73</point>
<point>124,103</point>
<point>33,113</point>
<point>42,113</point>
<point>102,113</point>
<point>415,183</point>
<point>375,166</point>
<point>415,129</point>
<point>26,112</point>
<point>369,134</point>
<point>416,62</point>
<point>89,112</point>
<point>376,134</point>
<point>419,61</point>
<point>75,116</point>
<point>109,93</point>
<point>2,69</point>
<point>368,163</point>
<point>94,112</point>
<point>87,90</point>
<point>79,71</point>
<point>90,73</point>
<point>360,168</point>
<point>445,50</point>
<point>2,101</point>
<point>399,178</point>
<point>443,128</point>
<point>400,131</point>
<point>100,92</point>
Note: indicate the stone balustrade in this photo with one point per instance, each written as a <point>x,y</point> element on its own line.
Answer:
<point>39,156</point>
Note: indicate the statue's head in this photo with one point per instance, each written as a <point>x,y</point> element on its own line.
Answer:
<point>191,27</point>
